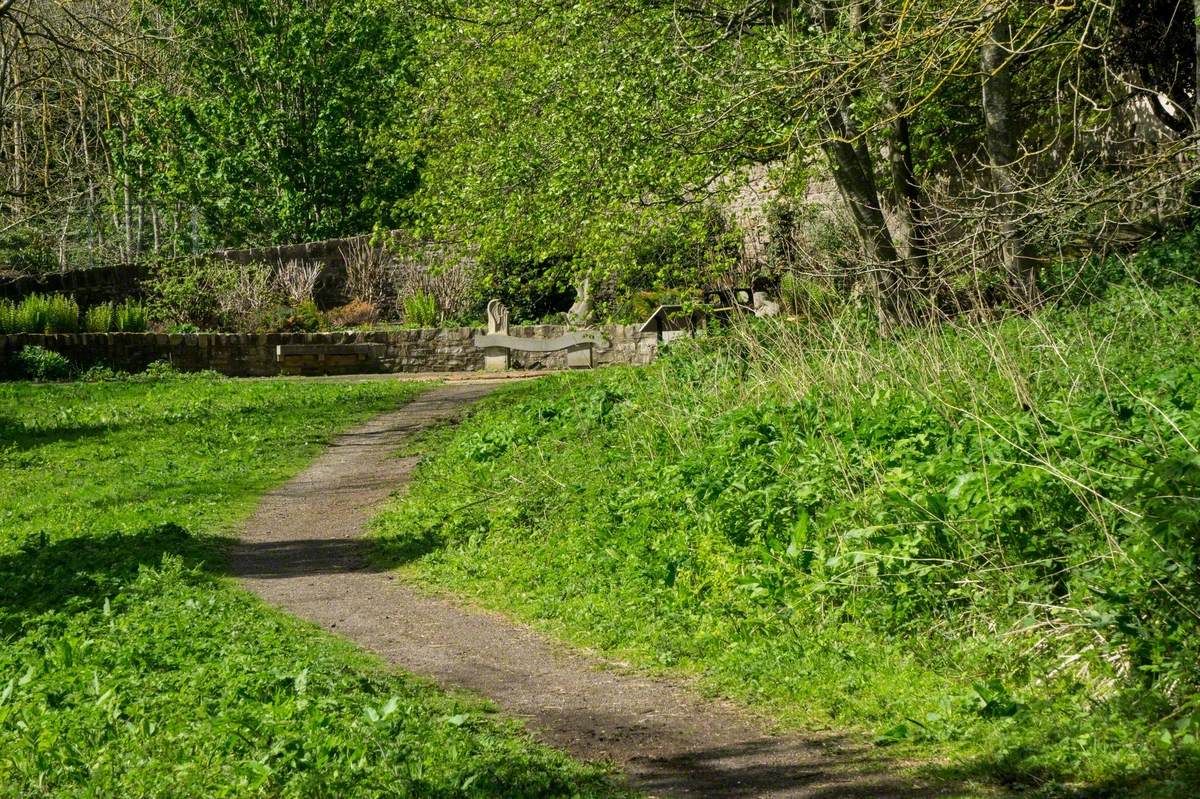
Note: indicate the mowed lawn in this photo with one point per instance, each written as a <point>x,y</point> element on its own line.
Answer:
<point>130,667</point>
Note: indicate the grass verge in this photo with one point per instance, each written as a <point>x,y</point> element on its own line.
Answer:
<point>128,668</point>
<point>975,544</point>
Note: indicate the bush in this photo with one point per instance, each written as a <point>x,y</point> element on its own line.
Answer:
<point>8,317</point>
<point>39,363</point>
<point>160,370</point>
<point>130,317</point>
<point>353,314</point>
<point>212,294</point>
<point>808,297</point>
<point>420,310</point>
<point>99,318</point>
<point>100,374</point>
<point>40,313</point>
<point>304,318</point>
<point>183,292</point>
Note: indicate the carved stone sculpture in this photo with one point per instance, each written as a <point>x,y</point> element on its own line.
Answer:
<point>581,311</point>
<point>497,318</point>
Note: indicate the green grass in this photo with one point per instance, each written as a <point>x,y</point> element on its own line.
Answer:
<point>975,544</point>
<point>129,667</point>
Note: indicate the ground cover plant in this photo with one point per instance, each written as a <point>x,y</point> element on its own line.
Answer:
<point>58,313</point>
<point>129,667</point>
<point>975,543</point>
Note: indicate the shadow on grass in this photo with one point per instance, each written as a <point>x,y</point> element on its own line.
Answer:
<point>392,552</point>
<point>1023,771</point>
<point>24,438</point>
<point>72,573</point>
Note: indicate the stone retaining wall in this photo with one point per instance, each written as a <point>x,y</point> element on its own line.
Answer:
<point>251,355</point>
<point>87,286</point>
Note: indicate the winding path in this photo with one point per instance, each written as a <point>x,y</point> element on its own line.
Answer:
<point>302,551</point>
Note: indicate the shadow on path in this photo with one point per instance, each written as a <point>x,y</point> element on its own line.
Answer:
<point>302,550</point>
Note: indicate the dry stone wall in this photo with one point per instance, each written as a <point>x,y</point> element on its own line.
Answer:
<point>259,355</point>
<point>87,286</point>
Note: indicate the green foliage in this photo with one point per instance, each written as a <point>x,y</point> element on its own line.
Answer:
<point>130,317</point>
<point>193,294</point>
<point>978,542</point>
<point>271,148</point>
<point>99,318</point>
<point>39,363</point>
<point>127,317</point>
<point>304,318</point>
<point>40,313</point>
<point>541,143</point>
<point>808,297</point>
<point>420,310</point>
<point>130,669</point>
<point>1157,264</point>
<point>184,291</point>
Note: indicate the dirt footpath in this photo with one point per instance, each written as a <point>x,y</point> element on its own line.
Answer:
<point>302,551</point>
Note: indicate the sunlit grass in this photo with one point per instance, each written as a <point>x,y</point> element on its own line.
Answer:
<point>129,667</point>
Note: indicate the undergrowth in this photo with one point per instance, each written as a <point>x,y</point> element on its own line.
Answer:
<point>130,667</point>
<point>976,543</point>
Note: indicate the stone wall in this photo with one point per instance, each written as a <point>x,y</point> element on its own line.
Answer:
<point>251,355</point>
<point>87,286</point>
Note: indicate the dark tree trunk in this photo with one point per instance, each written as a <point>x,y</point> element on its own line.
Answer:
<point>854,173</point>
<point>910,219</point>
<point>852,170</point>
<point>1020,266</point>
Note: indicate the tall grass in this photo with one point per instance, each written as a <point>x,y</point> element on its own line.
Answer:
<point>979,536</point>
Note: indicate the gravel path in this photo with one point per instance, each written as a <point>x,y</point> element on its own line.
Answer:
<point>302,551</point>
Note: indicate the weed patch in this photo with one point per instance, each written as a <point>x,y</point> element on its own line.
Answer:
<point>978,542</point>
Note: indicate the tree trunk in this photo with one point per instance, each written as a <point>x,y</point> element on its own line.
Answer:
<point>1196,68</point>
<point>1020,266</point>
<point>854,173</point>
<point>910,220</point>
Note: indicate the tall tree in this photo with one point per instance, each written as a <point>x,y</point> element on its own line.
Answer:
<point>996,58</point>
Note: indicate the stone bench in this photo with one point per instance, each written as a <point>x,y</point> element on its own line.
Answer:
<point>497,344</point>
<point>298,359</point>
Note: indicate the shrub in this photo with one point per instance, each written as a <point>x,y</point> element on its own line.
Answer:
<point>368,271</point>
<point>304,318</point>
<point>100,374</point>
<point>185,292</point>
<point>211,294</point>
<point>352,314</point>
<point>808,297</point>
<point>420,310</point>
<point>297,280</point>
<point>99,318</point>
<point>130,317</point>
<point>158,370</point>
<point>8,317</point>
<point>40,313</point>
<point>39,363</point>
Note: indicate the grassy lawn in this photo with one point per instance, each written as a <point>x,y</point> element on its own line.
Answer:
<point>978,547</point>
<point>129,668</point>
